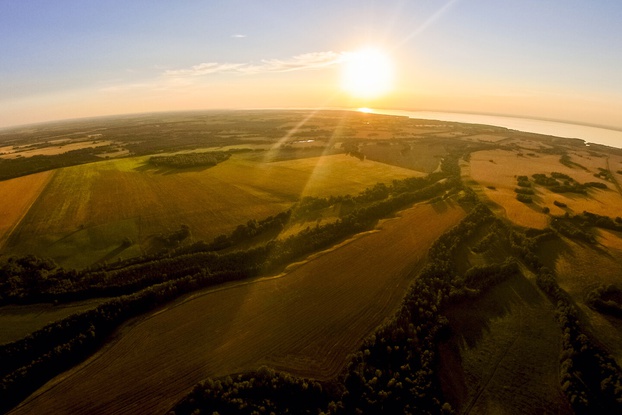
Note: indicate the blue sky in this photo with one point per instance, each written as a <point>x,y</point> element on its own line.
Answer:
<point>556,59</point>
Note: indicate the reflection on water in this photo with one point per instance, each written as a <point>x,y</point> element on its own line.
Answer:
<point>590,134</point>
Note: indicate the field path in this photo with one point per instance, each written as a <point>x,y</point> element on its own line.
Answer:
<point>305,322</point>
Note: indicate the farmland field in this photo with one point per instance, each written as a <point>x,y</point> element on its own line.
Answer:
<point>305,321</point>
<point>82,215</point>
<point>53,150</point>
<point>488,338</point>
<point>18,195</point>
<point>504,348</point>
<point>499,168</point>
<point>422,156</point>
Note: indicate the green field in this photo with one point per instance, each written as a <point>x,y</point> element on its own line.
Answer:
<point>83,214</point>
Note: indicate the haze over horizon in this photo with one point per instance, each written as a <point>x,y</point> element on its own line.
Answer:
<point>548,60</point>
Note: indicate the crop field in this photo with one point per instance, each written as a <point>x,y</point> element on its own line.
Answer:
<point>499,168</point>
<point>580,269</point>
<point>304,322</point>
<point>420,156</point>
<point>17,197</point>
<point>504,348</point>
<point>527,144</point>
<point>17,321</point>
<point>83,214</point>
<point>53,150</point>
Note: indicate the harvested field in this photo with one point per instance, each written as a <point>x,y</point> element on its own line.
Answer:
<point>305,322</point>
<point>17,321</point>
<point>18,195</point>
<point>499,168</point>
<point>54,150</point>
<point>503,356</point>
<point>86,211</point>
<point>580,268</point>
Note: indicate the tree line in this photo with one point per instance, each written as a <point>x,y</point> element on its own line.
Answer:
<point>590,377</point>
<point>22,166</point>
<point>186,160</point>
<point>606,299</point>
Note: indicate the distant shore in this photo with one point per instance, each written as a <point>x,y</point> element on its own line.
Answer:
<point>590,134</point>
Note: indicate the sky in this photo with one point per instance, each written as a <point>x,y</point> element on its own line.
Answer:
<point>546,59</point>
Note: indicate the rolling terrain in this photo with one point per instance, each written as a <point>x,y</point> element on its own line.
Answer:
<point>478,300</point>
<point>81,215</point>
<point>306,322</point>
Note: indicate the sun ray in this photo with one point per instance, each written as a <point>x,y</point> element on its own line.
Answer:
<point>427,22</point>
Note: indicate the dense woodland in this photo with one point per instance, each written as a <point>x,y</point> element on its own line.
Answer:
<point>187,160</point>
<point>11,168</point>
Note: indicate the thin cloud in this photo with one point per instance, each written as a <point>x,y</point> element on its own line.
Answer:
<point>206,69</point>
<point>238,36</point>
<point>303,62</point>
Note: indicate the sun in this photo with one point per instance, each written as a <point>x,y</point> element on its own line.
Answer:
<point>367,73</point>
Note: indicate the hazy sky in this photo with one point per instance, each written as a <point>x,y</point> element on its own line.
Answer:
<point>557,59</point>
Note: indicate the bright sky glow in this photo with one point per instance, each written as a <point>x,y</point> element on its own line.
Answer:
<point>367,73</point>
<point>556,59</point>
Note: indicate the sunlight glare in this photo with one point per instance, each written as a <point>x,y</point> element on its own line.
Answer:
<point>367,73</point>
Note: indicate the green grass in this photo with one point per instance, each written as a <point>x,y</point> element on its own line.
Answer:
<point>83,214</point>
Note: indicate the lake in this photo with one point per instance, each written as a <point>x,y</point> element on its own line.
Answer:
<point>612,138</point>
